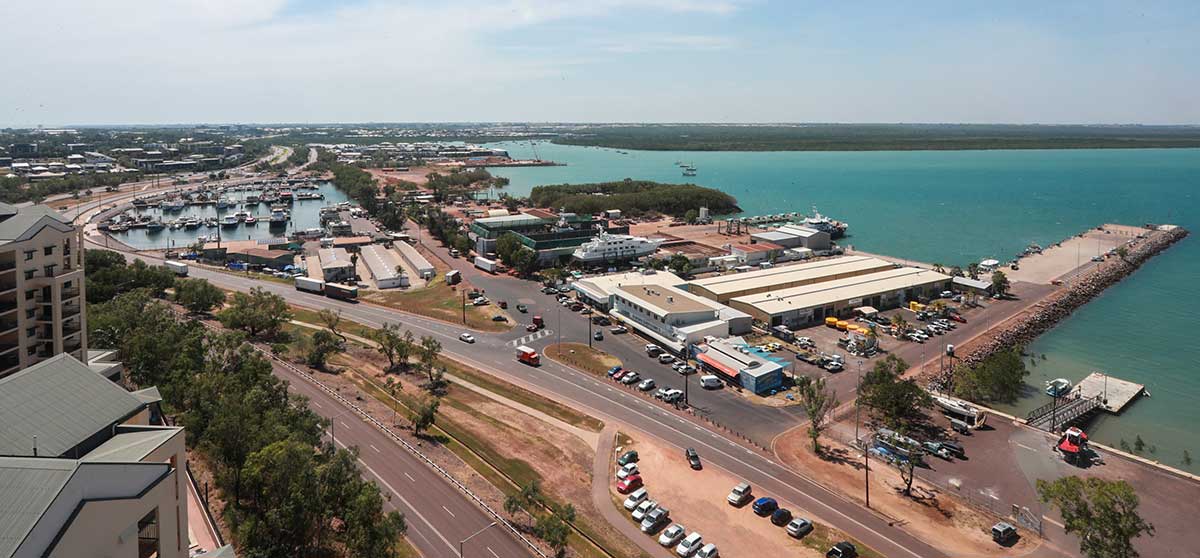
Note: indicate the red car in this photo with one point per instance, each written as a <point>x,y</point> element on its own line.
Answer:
<point>958,318</point>
<point>620,373</point>
<point>631,483</point>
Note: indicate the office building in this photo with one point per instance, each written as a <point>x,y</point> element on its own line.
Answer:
<point>336,266</point>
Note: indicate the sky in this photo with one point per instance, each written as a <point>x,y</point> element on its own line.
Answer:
<point>88,62</point>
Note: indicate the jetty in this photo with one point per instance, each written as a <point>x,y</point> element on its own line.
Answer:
<point>1097,392</point>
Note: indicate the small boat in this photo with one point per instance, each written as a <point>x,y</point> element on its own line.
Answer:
<point>191,223</point>
<point>155,225</point>
<point>285,196</point>
<point>310,196</point>
<point>241,216</point>
<point>251,220</point>
<point>278,218</point>
<point>229,221</point>
<point>222,203</point>
<point>252,199</point>
<point>176,204</point>
<point>1058,387</point>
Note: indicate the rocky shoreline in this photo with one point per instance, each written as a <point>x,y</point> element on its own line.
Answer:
<point>1047,313</point>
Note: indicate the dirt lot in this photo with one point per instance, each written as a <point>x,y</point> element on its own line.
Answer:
<point>960,530</point>
<point>701,234</point>
<point>1064,257</point>
<point>416,175</point>
<point>697,500</point>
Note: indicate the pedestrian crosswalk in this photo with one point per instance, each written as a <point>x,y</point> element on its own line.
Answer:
<point>530,338</point>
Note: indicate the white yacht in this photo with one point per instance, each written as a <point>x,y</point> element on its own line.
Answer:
<point>612,247</point>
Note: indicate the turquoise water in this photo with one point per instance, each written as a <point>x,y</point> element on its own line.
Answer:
<point>954,207</point>
<point>305,214</point>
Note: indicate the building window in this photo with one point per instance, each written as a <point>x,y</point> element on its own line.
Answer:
<point>30,350</point>
<point>30,294</point>
<point>31,331</point>
<point>49,250</point>
<point>30,312</point>
<point>50,270</point>
<point>29,254</point>
<point>29,273</point>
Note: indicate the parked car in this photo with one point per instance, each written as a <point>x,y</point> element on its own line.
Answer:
<point>522,308</point>
<point>620,374</point>
<point>947,294</point>
<point>671,535</point>
<point>710,382</point>
<point>739,495</point>
<point>781,517</point>
<point>466,338</point>
<point>652,349</point>
<point>549,290</point>
<point>626,470</point>
<point>628,457</point>
<point>655,519</point>
<point>666,358</point>
<point>639,513</point>
<point>955,449</point>
<point>689,545</point>
<point>585,311</point>
<point>631,484</point>
<point>646,385</point>
<point>662,392</point>
<point>799,527</point>
<point>693,459</point>
<point>765,506</point>
<point>630,378</point>
<point>842,550</point>
<point>612,371</point>
<point>708,551</point>
<point>673,396</point>
<point>598,336</point>
<point>619,330</point>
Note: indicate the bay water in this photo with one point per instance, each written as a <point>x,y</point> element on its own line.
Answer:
<point>956,207</point>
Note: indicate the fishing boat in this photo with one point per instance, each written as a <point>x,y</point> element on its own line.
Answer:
<point>222,203</point>
<point>822,223</point>
<point>278,218</point>
<point>176,204</point>
<point>155,225</point>
<point>310,196</point>
<point>251,220</point>
<point>229,221</point>
<point>252,199</point>
<point>1058,387</point>
<point>191,223</point>
<point>285,196</point>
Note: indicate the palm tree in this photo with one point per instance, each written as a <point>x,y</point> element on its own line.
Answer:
<point>973,270</point>
<point>938,268</point>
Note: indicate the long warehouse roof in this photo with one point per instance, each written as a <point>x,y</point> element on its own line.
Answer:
<point>812,271</point>
<point>829,292</point>
<point>380,261</point>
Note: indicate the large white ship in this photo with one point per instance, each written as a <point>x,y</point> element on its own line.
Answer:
<point>612,247</point>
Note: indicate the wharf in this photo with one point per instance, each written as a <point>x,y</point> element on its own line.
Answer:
<point>1114,393</point>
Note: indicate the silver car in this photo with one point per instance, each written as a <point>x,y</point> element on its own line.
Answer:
<point>671,535</point>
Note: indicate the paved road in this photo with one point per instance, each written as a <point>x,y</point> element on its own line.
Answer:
<point>439,516</point>
<point>602,399</point>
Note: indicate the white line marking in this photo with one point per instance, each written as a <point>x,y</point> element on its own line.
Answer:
<point>319,406</point>
<point>374,448</point>
<point>1025,446</point>
<point>344,424</point>
<point>493,552</point>
<point>448,511</point>
<point>410,477</point>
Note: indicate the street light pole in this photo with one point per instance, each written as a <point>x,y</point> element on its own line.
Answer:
<point>462,542</point>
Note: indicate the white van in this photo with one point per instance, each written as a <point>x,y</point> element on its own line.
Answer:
<point>710,382</point>
<point>689,545</point>
<point>636,497</point>
<point>709,551</point>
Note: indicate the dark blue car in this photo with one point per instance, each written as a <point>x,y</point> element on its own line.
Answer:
<point>765,506</point>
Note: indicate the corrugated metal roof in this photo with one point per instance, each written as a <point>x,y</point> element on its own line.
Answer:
<point>62,402</point>
<point>334,257</point>
<point>830,292</point>
<point>27,487</point>
<point>132,444</point>
<point>380,261</point>
<point>812,272</point>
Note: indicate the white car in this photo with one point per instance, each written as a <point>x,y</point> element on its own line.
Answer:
<point>671,535</point>
<point>466,338</point>
<point>672,396</point>
<point>739,495</point>
<point>630,378</point>
<point>639,513</point>
<point>636,497</point>
<point>689,545</point>
<point>626,470</point>
<point>646,385</point>
<point>709,551</point>
<point>710,382</point>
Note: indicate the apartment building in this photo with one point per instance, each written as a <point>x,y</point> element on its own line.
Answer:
<point>86,467</point>
<point>41,287</point>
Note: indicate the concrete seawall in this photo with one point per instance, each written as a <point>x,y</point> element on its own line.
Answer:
<point>1023,329</point>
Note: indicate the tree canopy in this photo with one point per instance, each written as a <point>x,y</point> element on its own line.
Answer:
<point>198,295</point>
<point>1102,513</point>
<point>108,276</point>
<point>633,198</point>
<point>998,378</point>
<point>257,312</point>
<point>895,402</point>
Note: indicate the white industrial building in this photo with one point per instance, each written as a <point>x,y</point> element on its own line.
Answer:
<point>674,318</point>
<point>737,363</point>
<point>382,264</point>
<point>794,236</point>
<point>599,291</point>
<point>336,266</point>
<point>415,260</point>
<point>722,288</point>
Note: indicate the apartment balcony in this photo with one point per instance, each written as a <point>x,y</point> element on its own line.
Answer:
<point>71,328</point>
<point>70,310</point>
<point>70,293</point>
<point>7,306</point>
<point>7,266</point>
<point>72,346</point>
<point>9,363</point>
<point>8,345</point>
<point>8,324</point>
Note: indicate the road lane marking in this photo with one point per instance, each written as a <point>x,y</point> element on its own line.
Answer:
<point>374,448</point>
<point>1053,522</point>
<point>410,477</point>
<point>319,406</point>
<point>493,552</point>
<point>343,423</point>
<point>1025,446</point>
<point>448,511</point>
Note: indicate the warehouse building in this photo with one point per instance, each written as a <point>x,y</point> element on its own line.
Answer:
<point>382,264</point>
<point>336,266</point>
<point>794,236</point>
<point>755,254</point>
<point>415,260</point>
<point>725,287</point>
<point>599,292</point>
<point>808,304</point>
<point>733,360</point>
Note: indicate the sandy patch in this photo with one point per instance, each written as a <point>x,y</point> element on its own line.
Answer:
<point>697,500</point>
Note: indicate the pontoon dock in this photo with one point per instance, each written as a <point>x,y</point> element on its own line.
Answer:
<point>1114,393</point>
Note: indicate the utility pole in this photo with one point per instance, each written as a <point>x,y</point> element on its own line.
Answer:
<point>464,541</point>
<point>589,332</point>
<point>464,307</point>
<point>867,475</point>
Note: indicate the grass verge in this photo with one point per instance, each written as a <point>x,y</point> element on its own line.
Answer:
<point>523,396</point>
<point>582,357</point>
<point>441,302</point>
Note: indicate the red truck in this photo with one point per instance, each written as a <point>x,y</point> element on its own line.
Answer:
<point>528,356</point>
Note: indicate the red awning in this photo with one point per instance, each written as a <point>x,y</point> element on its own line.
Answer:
<point>725,370</point>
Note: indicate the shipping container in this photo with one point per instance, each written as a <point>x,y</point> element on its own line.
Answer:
<point>310,285</point>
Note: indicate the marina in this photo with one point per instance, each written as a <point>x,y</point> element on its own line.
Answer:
<point>258,211</point>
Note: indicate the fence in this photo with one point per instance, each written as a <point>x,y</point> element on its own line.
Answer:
<point>992,505</point>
